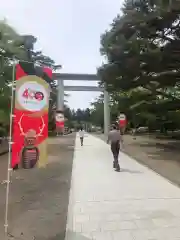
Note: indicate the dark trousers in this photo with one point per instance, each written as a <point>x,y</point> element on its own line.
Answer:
<point>115,147</point>
<point>81,139</point>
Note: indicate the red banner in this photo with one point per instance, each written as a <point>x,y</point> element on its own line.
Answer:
<point>30,126</point>
<point>122,123</point>
<point>122,120</point>
<point>59,121</point>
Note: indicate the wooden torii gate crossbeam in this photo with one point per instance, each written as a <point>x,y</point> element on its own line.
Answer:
<point>61,77</point>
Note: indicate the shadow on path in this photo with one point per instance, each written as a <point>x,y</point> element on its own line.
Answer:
<point>75,236</point>
<point>130,171</point>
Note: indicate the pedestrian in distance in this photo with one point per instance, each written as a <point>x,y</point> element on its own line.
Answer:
<point>81,135</point>
<point>115,138</point>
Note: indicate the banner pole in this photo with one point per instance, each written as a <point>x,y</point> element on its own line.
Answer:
<point>9,154</point>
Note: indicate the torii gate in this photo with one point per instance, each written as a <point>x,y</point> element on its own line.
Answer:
<point>61,77</point>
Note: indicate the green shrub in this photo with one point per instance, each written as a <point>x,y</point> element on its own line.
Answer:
<point>3,132</point>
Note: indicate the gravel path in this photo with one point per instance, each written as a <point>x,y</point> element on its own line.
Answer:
<point>39,197</point>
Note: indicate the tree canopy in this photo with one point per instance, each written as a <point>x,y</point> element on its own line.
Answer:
<point>142,71</point>
<point>12,47</point>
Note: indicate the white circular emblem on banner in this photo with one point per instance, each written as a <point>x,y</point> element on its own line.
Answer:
<point>60,117</point>
<point>32,96</point>
<point>122,117</point>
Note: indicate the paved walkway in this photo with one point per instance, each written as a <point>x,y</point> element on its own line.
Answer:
<point>135,204</point>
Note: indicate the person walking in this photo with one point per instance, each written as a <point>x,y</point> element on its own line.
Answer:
<point>114,137</point>
<point>81,135</point>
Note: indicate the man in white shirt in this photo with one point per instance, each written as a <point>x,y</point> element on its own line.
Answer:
<point>81,135</point>
<point>115,138</point>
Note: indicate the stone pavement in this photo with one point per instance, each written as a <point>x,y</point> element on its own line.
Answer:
<point>135,204</point>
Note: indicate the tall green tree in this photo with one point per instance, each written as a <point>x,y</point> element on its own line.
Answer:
<point>142,51</point>
<point>12,47</point>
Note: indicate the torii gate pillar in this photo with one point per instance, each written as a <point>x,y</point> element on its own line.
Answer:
<point>106,113</point>
<point>60,95</point>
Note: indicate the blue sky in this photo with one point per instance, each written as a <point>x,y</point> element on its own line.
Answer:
<point>68,31</point>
